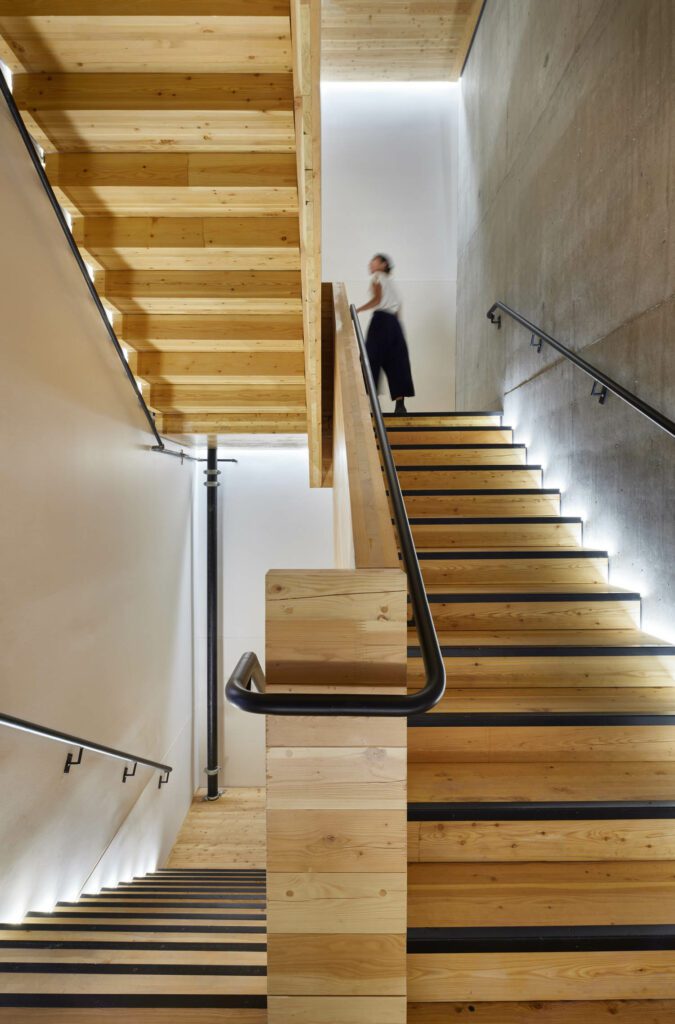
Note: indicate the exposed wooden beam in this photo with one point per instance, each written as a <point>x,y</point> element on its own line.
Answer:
<point>214,424</point>
<point>222,399</point>
<point>158,37</point>
<point>157,92</point>
<point>189,243</point>
<point>172,184</point>
<point>144,8</point>
<point>221,333</point>
<point>166,170</point>
<point>175,291</point>
<point>306,37</point>
<point>215,367</point>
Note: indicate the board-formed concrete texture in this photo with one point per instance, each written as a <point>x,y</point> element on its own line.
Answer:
<point>566,212</point>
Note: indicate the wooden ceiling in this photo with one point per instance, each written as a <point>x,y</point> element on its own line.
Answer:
<point>182,136</point>
<point>399,40</point>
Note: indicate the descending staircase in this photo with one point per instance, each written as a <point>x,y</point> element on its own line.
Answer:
<point>542,788</point>
<point>176,947</point>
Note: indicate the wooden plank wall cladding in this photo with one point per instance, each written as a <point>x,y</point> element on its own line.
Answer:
<point>336,802</point>
<point>400,40</point>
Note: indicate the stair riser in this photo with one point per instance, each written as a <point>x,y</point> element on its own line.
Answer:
<point>598,700</point>
<point>469,479</point>
<point>552,781</point>
<point>445,437</point>
<point>551,671</point>
<point>460,456</point>
<point>533,615</point>
<point>482,505</point>
<point>540,894</point>
<point>520,744</point>
<point>487,842</point>
<point>621,1012</point>
<point>633,974</point>
<point>516,536</point>
<point>505,571</point>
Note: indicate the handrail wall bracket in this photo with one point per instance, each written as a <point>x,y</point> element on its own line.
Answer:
<point>23,725</point>
<point>603,385</point>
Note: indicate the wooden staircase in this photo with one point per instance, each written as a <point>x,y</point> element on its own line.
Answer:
<point>184,141</point>
<point>177,947</point>
<point>541,810</point>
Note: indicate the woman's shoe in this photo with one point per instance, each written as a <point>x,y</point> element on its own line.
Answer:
<point>400,409</point>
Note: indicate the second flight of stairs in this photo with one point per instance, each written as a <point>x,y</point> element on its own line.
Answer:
<point>541,789</point>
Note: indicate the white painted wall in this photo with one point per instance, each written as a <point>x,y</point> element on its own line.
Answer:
<point>270,519</point>
<point>95,589</point>
<point>389,182</point>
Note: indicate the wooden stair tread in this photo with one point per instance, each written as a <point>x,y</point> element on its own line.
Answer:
<point>627,639</point>
<point>476,781</point>
<point>519,894</point>
<point>554,589</point>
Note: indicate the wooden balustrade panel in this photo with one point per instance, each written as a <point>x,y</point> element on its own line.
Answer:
<point>364,534</point>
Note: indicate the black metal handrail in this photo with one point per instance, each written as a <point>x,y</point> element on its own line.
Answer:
<point>606,384</point>
<point>76,741</point>
<point>60,216</point>
<point>248,671</point>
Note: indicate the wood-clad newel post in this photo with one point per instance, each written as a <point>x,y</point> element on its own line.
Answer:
<point>336,802</point>
<point>337,787</point>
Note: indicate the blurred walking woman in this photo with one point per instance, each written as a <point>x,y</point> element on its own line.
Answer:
<point>386,345</point>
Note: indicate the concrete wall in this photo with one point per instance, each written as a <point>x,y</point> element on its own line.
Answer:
<point>95,589</point>
<point>566,210</point>
<point>270,519</point>
<point>389,173</point>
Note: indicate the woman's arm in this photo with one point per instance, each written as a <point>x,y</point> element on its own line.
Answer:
<point>376,299</point>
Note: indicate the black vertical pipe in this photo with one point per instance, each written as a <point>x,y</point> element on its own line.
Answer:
<point>212,767</point>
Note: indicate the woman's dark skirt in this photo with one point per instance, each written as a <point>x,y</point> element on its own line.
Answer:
<point>387,350</point>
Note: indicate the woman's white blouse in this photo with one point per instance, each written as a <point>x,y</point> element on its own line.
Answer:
<point>390,302</point>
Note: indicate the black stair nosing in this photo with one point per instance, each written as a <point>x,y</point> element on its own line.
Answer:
<point>541,939</point>
<point>485,446</point>
<point>542,810</point>
<point>455,412</point>
<point>548,651</point>
<point>533,597</point>
<point>209,929</point>
<point>450,429</point>
<point>502,467</point>
<point>495,520</point>
<point>184,970</point>
<point>511,553</point>
<point>178,947</point>
<point>510,719</point>
<point>149,916</point>
<point>472,491</point>
<point>162,904</point>
<point>43,1000</point>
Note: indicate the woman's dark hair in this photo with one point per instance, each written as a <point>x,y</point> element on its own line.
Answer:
<point>388,265</point>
